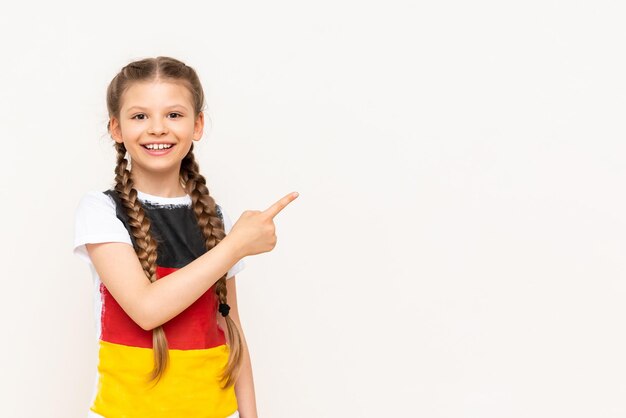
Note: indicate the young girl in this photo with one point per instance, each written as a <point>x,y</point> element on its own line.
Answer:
<point>163,255</point>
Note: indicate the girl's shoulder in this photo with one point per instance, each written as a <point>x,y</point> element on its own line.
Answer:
<point>96,200</point>
<point>96,221</point>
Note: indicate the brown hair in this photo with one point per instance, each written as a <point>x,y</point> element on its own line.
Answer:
<point>203,205</point>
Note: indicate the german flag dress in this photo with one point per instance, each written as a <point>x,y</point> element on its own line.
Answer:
<point>197,345</point>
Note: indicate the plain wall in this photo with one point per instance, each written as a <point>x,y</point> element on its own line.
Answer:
<point>457,249</point>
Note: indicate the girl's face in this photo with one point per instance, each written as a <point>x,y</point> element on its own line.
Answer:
<point>157,113</point>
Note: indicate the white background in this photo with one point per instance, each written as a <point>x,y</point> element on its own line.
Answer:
<point>458,246</point>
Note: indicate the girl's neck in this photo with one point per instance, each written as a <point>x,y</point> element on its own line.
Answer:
<point>160,192</point>
<point>163,186</point>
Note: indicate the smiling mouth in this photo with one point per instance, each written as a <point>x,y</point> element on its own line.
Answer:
<point>158,151</point>
<point>156,147</point>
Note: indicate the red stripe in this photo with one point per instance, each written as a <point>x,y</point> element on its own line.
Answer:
<point>194,328</point>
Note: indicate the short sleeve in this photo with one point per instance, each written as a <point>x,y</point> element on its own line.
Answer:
<point>239,265</point>
<point>95,221</point>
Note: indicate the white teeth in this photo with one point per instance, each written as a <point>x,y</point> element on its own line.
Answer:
<point>158,146</point>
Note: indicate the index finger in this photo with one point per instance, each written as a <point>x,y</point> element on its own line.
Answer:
<point>280,205</point>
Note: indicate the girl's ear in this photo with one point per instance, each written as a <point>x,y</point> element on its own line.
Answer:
<point>198,127</point>
<point>114,130</point>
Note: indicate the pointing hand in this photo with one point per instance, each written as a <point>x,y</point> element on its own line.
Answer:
<point>255,231</point>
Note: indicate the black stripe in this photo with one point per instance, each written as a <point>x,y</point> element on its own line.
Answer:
<point>174,227</point>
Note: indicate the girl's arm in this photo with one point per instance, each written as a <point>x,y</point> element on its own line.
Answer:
<point>244,387</point>
<point>153,304</point>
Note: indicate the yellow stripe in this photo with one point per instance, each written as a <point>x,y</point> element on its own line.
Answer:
<point>189,388</point>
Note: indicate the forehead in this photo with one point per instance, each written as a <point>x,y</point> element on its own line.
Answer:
<point>156,94</point>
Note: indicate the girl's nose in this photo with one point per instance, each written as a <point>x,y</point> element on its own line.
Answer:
<point>157,128</point>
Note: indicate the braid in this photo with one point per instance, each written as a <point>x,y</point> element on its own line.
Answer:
<point>146,251</point>
<point>204,207</point>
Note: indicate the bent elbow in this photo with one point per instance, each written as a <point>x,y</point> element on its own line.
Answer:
<point>146,320</point>
<point>143,317</point>
<point>148,316</point>
<point>144,311</point>
<point>146,326</point>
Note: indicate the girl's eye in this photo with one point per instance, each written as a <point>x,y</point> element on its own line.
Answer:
<point>142,118</point>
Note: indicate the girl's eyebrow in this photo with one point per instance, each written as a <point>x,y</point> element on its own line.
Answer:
<point>167,107</point>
